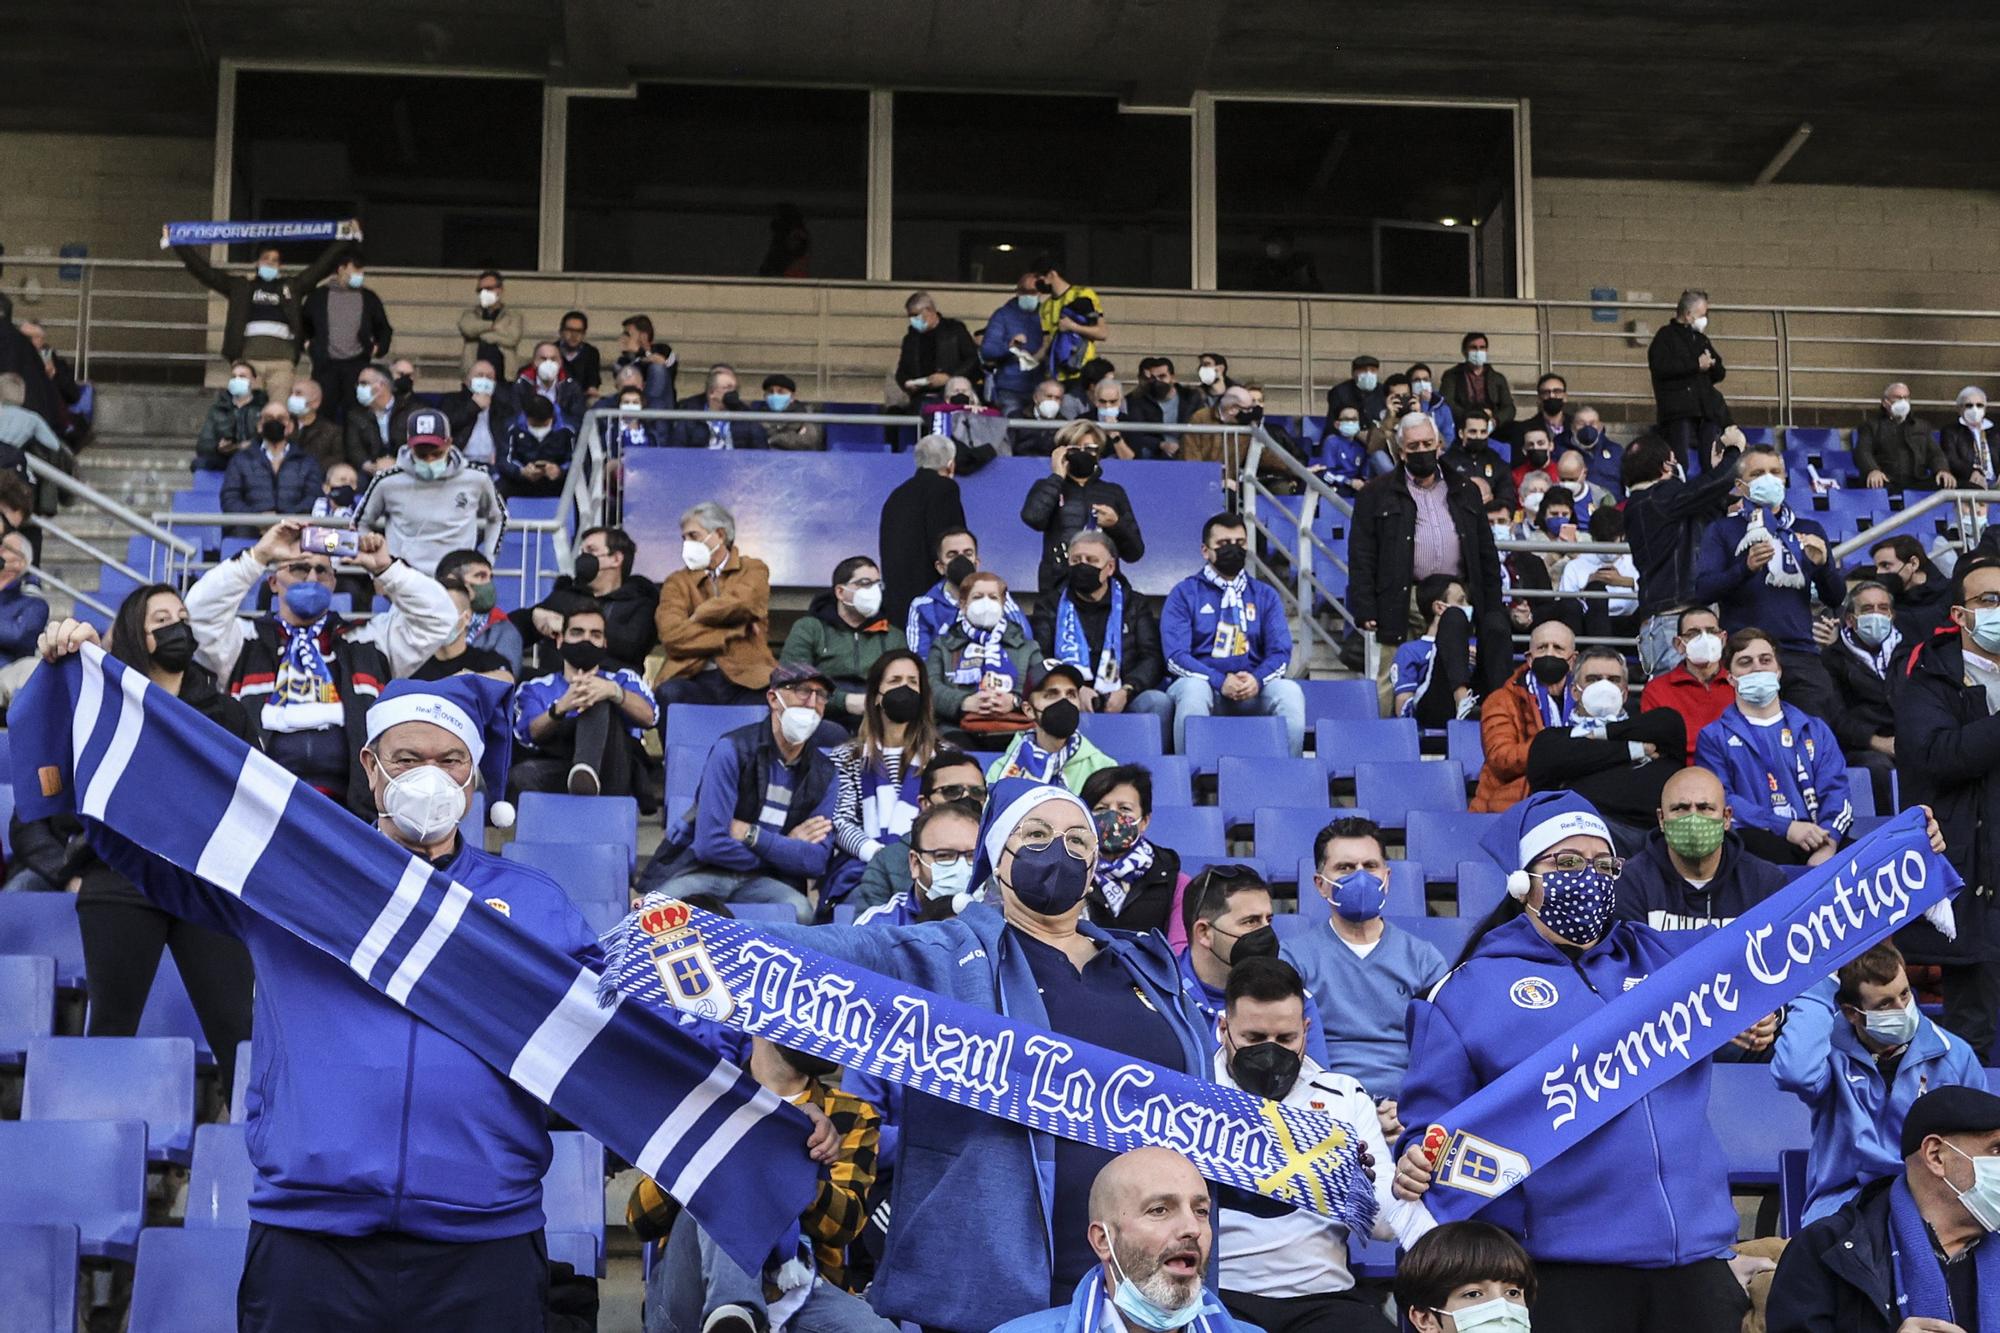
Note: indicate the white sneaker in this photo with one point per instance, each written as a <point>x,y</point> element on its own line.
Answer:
<point>730,1319</point>
<point>583,781</point>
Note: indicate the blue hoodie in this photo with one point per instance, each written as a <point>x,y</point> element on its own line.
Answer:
<point>1650,1189</point>
<point>1085,1313</point>
<point>1857,1117</point>
<point>968,1183</point>
<point>1760,766</point>
<point>362,1118</point>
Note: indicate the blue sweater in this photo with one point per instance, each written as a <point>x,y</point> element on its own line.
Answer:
<point>968,1183</point>
<point>1759,768</point>
<point>1857,1117</point>
<point>1001,326</point>
<point>1743,598</point>
<point>362,1118</point>
<point>1187,632</point>
<point>1650,1189</point>
<point>1368,999</point>
<point>22,619</point>
<point>1085,1313</point>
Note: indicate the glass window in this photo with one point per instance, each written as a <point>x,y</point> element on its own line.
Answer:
<point>985,182</point>
<point>443,172</point>
<point>729,182</point>
<point>1351,198</point>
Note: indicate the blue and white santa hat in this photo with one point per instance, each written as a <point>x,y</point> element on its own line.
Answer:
<point>1534,825</point>
<point>1007,804</point>
<point>472,708</point>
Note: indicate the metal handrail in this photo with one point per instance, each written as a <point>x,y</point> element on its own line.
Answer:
<point>1959,499</point>
<point>76,594</point>
<point>131,518</point>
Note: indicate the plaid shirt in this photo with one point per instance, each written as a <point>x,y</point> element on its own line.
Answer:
<point>838,1211</point>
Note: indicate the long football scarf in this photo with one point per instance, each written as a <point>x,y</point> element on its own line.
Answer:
<point>275,233</point>
<point>95,738</point>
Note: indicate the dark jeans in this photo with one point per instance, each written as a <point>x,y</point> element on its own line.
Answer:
<point>308,1282</point>
<point>1702,1297</point>
<point>1691,438</point>
<point>336,384</point>
<point>122,943</point>
<point>1351,1311</point>
<point>596,737</point>
<point>317,758</point>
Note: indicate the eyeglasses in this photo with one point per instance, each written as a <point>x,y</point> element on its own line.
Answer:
<point>1034,835</point>
<point>947,857</point>
<point>1226,873</point>
<point>1571,862</point>
<point>1986,601</point>
<point>961,791</point>
<point>306,569</point>
<point>809,694</point>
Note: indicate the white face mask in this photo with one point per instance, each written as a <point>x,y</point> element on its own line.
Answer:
<point>296,404</point>
<point>1532,501</point>
<point>238,386</point>
<point>695,554</point>
<point>548,370</point>
<point>1699,323</point>
<point>1207,374</point>
<point>540,432</point>
<point>1602,699</point>
<point>798,723</point>
<point>1048,408</point>
<point>983,612</point>
<point>867,601</point>
<point>480,384</point>
<point>1705,648</point>
<point>423,803</point>
<point>1477,356</point>
<point>1502,532</point>
<point>949,881</point>
<point>1899,408</point>
<point>1499,1315</point>
<point>1973,414</point>
<point>488,298</point>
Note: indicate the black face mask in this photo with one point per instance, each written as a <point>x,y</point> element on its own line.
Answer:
<point>1552,407</point>
<point>1265,1070</point>
<point>812,1066</point>
<point>1536,457</point>
<point>1549,669</point>
<point>902,704</point>
<point>583,655</point>
<point>585,569</point>
<point>1081,464</point>
<point>1060,719</point>
<point>1259,943</point>
<point>1423,463</point>
<point>173,646</point>
<point>961,400</point>
<point>273,430</point>
<point>1251,415</point>
<point>403,386</point>
<point>1160,389</point>
<point>1229,559</point>
<point>959,570</point>
<point>343,496</point>
<point>1085,579</point>
<point>1042,286</point>
<point>1892,582</point>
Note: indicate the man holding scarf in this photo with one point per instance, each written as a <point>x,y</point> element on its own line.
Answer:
<point>1914,1253</point>
<point>1761,566</point>
<point>1860,662</point>
<point>1227,641</point>
<point>1099,624</point>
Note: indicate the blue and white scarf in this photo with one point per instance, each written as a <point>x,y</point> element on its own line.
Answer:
<point>1073,647</point>
<point>1786,745</point>
<point>93,737</point>
<point>1115,879</point>
<point>1031,761</point>
<point>889,798</point>
<point>983,652</point>
<point>1232,639</point>
<point>1788,562</point>
<point>1555,709</point>
<point>1920,1286</point>
<point>303,674</point>
<point>273,233</point>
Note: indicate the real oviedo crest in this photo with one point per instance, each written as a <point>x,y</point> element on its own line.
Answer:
<point>686,972</point>
<point>1533,993</point>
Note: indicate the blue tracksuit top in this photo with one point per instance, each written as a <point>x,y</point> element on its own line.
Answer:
<point>1759,768</point>
<point>362,1118</point>
<point>533,698</point>
<point>1857,1117</point>
<point>1368,999</point>
<point>1001,326</point>
<point>1187,632</point>
<point>1743,598</point>
<point>1650,1189</point>
<point>967,1182</point>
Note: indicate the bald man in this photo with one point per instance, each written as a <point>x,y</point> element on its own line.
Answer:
<point>1694,870</point>
<point>1894,447</point>
<point>1150,1227</point>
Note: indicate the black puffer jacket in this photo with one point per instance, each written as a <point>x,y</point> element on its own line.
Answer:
<point>1948,753</point>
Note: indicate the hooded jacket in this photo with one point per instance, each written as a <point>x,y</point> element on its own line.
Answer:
<point>844,652</point>
<point>1948,753</point>
<point>424,521</point>
<point>1653,891</point>
<point>1650,1189</point>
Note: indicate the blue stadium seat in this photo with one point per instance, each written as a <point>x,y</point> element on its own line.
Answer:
<point>1481,886</point>
<point>1792,1190</point>
<point>1209,738</point>
<point>1440,839</point>
<point>576,1249</point>
<point>1284,836</point>
<point>1447,934</point>
<point>1343,743</point>
<point>1856,509</point>
<point>557,817</point>
<point>844,914</point>
<point>1245,782</point>
<point>218,1195</point>
<point>1341,699</point>
<point>1173,779</point>
<point>472,825</point>
<point>43,923</point>
<point>1130,738</point>
<point>597,876</point>
<point>186,1281</point>
<point>89,1174</point>
<point>238,1094</point>
<point>170,1013</point>
<point>38,1278</point>
<point>1462,742</point>
<point>684,765</point>
<point>148,1079</point>
<point>1756,1121</point>
<point>573,1192</point>
<point>202,484</point>
<point>533,507</point>
<point>1861,792</point>
<point>27,1004</point>
<point>7,791</point>
<point>1190,830</point>
<point>1371,1258</point>
<point>1757,434</point>
<point>1812,439</point>
<point>699,724</point>
<point>1392,791</point>
<point>1406,891</point>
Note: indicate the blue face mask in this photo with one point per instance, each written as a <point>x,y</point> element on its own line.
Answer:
<point>917,323</point>
<point>1140,1310</point>
<point>1871,629</point>
<point>1049,881</point>
<point>364,394</point>
<point>1986,628</point>
<point>1360,896</point>
<point>238,387</point>
<point>777,402</point>
<point>1587,435</point>
<point>308,601</point>
<point>1366,380</point>
<point>1348,429</point>
<point>1766,491</point>
<point>268,272</point>
<point>355,280</point>
<point>1553,524</point>
<point>1758,688</point>
<point>1028,300</point>
<point>432,469</point>
<point>1576,904</point>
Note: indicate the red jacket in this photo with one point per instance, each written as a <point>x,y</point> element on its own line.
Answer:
<point>1698,704</point>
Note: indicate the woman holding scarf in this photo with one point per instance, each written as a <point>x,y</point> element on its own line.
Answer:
<point>1099,625</point>
<point>876,774</point>
<point>968,1183</point>
<point>1783,768</point>
<point>978,663</point>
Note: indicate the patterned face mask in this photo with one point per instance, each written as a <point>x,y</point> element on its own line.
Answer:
<point>1693,836</point>
<point>1576,904</point>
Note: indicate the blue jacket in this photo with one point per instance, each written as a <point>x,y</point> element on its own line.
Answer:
<point>23,616</point>
<point>533,698</point>
<point>1439,411</point>
<point>1651,891</point>
<point>1210,1002</point>
<point>1085,1313</point>
<point>732,787</point>
<point>1728,748</point>
<point>968,1183</point>
<point>686,434</point>
<point>931,612</point>
<point>362,1118</point>
<point>250,487</point>
<point>1743,598</point>
<point>1345,459</point>
<point>1604,470</point>
<point>1001,326</point>
<point>1857,1118</point>
<point>522,448</point>
<point>1187,632</point>
<point>1650,1189</point>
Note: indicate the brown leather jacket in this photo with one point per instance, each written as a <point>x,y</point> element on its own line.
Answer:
<point>721,616</point>
<point>1507,722</point>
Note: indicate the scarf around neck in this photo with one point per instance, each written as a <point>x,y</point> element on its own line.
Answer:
<point>1073,646</point>
<point>1231,637</point>
<point>1879,658</point>
<point>983,651</point>
<point>1555,709</point>
<point>1788,562</point>
<point>1921,1290</point>
<point>1114,879</point>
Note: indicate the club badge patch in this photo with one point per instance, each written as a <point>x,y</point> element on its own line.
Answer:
<point>500,905</point>
<point>1533,993</point>
<point>686,972</point>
